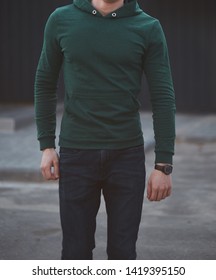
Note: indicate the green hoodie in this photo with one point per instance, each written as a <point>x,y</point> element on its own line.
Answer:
<point>103,60</point>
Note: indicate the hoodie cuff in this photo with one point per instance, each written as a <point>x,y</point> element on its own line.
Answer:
<point>47,143</point>
<point>162,157</point>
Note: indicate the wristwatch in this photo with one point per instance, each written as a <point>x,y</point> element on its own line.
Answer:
<point>166,169</point>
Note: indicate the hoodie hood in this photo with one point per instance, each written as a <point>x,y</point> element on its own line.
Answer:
<point>130,8</point>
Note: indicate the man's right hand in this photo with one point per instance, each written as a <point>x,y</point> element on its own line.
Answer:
<point>50,164</point>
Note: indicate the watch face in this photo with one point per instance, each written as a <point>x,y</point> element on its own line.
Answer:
<point>168,169</point>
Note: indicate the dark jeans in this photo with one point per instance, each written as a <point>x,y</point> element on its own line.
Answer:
<point>120,176</point>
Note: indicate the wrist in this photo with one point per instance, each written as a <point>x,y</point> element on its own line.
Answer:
<point>162,164</point>
<point>48,150</point>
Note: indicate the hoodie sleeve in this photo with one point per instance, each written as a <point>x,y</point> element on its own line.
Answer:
<point>158,74</point>
<point>46,80</point>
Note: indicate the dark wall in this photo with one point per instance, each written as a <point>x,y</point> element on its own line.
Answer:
<point>190,28</point>
<point>21,28</point>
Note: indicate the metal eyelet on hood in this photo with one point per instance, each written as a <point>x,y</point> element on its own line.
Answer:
<point>130,8</point>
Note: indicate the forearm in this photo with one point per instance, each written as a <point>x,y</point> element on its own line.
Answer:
<point>45,110</point>
<point>163,108</point>
<point>158,73</point>
<point>164,130</point>
<point>46,80</point>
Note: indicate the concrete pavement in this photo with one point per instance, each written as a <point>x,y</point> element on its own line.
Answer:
<point>181,227</point>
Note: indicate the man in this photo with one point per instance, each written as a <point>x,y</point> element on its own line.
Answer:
<point>104,47</point>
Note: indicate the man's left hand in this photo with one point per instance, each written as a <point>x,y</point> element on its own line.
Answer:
<point>159,186</point>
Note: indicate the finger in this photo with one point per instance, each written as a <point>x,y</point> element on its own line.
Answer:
<point>43,171</point>
<point>160,195</point>
<point>166,191</point>
<point>56,169</point>
<point>169,191</point>
<point>149,191</point>
<point>47,173</point>
<point>154,193</point>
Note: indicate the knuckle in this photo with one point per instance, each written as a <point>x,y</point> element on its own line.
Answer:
<point>154,187</point>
